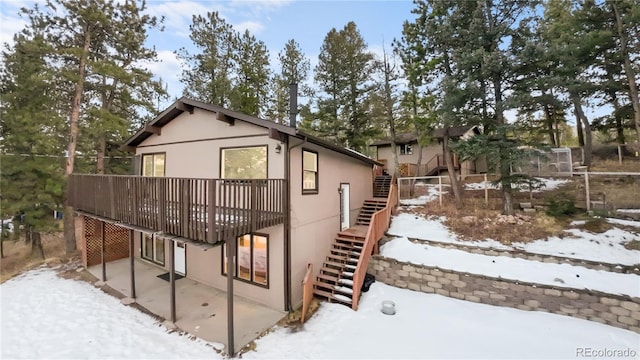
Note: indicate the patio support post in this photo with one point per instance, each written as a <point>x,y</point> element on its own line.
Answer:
<point>231,250</point>
<point>172,279</point>
<point>102,248</point>
<point>132,262</point>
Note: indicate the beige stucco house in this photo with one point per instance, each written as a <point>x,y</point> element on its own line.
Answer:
<point>210,181</point>
<point>432,162</point>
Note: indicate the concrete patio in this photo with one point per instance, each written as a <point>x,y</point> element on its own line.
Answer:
<point>200,309</point>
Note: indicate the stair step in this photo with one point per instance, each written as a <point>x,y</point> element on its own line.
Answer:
<point>346,282</point>
<point>343,289</point>
<point>330,270</point>
<point>347,274</point>
<point>334,263</point>
<point>336,297</point>
<point>341,259</point>
<point>326,277</point>
<point>345,252</point>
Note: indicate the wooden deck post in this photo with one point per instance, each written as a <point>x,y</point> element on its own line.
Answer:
<point>172,279</point>
<point>231,250</point>
<point>132,262</point>
<point>102,249</point>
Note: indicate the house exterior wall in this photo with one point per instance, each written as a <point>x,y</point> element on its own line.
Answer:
<point>428,152</point>
<point>192,144</point>
<point>315,218</point>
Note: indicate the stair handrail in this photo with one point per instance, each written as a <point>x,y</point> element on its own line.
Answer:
<point>307,291</point>
<point>377,227</point>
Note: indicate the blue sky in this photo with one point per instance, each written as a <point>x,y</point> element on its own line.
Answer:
<point>272,21</point>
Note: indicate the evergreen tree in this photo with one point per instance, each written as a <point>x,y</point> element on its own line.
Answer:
<point>31,128</point>
<point>209,72</point>
<point>294,69</point>
<point>249,94</point>
<point>343,74</point>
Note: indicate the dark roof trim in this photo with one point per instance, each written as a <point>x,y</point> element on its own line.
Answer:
<point>188,105</point>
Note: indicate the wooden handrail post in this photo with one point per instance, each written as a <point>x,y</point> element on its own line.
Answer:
<point>211,210</point>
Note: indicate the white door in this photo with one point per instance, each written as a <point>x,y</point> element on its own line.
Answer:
<point>180,256</point>
<point>344,206</point>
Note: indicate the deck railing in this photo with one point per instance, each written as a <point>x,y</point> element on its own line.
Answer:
<point>377,228</point>
<point>207,210</point>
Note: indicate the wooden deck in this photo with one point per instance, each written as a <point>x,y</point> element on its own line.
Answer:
<point>205,210</point>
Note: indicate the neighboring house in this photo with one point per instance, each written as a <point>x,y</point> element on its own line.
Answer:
<point>210,179</point>
<point>432,162</point>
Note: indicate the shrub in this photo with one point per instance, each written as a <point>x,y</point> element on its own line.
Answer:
<point>562,207</point>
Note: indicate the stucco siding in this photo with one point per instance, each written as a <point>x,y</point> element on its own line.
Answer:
<point>315,218</point>
<point>192,144</point>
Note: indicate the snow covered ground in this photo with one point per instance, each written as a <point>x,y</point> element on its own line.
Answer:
<point>604,247</point>
<point>44,316</point>
<point>561,275</point>
<point>547,184</point>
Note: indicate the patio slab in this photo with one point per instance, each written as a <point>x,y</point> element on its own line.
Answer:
<point>201,310</point>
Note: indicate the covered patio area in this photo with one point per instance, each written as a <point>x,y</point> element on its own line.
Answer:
<point>201,310</point>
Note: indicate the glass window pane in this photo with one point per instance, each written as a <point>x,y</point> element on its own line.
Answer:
<point>310,161</point>
<point>260,259</point>
<point>147,165</point>
<point>159,251</point>
<point>158,168</point>
<point>245,163</point>
<point>309,180</point>
<point>147,247</point>
<point>244,257</point>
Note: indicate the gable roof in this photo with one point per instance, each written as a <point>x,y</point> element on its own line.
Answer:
<point>188,105</point>
<point>410,138</point>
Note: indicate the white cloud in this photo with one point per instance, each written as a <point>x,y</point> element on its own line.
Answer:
<point>10,20</point>
<point>254,27</point>
<point>169,69</point>
<point>177,15</point>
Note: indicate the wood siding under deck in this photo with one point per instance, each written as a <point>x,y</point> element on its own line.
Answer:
<point>182,207</point>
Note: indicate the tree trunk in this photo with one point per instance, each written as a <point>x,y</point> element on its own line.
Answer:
<point>587,128</point>
<point>418,164</point>
<point>628,69</point>
<point>579,131</point>
<point>36,244</point>
<point>618,117</point>
<point>102,148</point>
<point>453,177</point>
<point>549,118</point>
<point>507,200</point>
<point>69,230</point>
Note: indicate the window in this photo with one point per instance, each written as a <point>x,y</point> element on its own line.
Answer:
<point>153,165</point>
<point>252,263</point>
<point>406,149</point>
<point>309,172</point>
<point>244,163</point>
<point>153,249</point>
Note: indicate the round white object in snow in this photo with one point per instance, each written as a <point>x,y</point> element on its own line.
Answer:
<point>388,307</point>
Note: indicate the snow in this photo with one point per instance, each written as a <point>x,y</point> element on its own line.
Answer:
<point>561,275</point>
<point>433,228</point>
<point>629,211</point>
<point>605,247</point>
<point>547,184</point>
<point>428,326</point>
<point>433,192</point>
<point>44,316</point>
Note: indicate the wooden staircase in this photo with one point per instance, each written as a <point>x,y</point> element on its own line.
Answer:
<point>335,282</point>
<point>369,208</point>
<point>381,186</point>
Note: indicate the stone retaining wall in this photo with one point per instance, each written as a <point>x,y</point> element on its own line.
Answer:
<point>616,310</point>
<point>618,268</point>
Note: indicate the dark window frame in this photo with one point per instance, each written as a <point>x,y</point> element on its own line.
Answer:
<point>152,258</point>
<point>315,190</point>
<point>406,149</point>
<point>164,169</point>
<point>251,261</point>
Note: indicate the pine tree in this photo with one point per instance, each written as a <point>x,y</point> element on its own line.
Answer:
<point>249,94</point>
<point>209,72</point>
<point>343,74</point>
